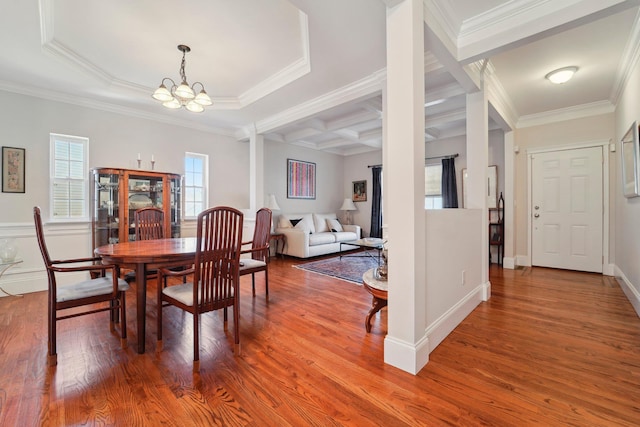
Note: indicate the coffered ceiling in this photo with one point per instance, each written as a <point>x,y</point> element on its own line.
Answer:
<point>310,72</point>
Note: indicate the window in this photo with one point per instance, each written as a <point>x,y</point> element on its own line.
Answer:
<point>433,187</point>
<point>195,184</point>
<point>69,177</point>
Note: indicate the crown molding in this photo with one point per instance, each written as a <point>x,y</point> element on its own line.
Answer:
<point>50,95</point>
<point>284,76</point>
<point>628,63</point>
<point>359,89</point>
<point>290,73</point>
<point>564,114</point>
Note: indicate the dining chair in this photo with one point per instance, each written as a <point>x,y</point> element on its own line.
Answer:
<point>259,250</point>
<point>215,275</point>
<point>105,288</point>
<point>148,225</point>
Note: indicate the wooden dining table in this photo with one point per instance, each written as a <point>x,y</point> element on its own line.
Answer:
<point>142,256</point>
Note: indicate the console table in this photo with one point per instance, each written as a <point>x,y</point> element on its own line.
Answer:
<point>378,290</point>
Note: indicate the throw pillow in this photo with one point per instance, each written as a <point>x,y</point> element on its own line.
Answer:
<point>284,222</point>
<point>295,222</point>
<point>334,225</point>
<point>305,224</point>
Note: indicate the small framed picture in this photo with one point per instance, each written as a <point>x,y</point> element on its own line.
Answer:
<point>359,191</point>
<point>13,161</point>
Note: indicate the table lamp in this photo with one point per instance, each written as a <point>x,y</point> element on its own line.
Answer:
<point>348,206</point>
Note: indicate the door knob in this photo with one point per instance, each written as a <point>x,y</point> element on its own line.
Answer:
<point>536,215</point>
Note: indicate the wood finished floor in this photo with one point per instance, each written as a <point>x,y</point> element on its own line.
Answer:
<point>550,348</point>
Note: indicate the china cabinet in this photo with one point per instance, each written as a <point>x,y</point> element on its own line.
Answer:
<point>117,193</point>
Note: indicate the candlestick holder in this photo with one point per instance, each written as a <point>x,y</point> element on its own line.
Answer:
<point>153,164</point>
<point>139,163</point>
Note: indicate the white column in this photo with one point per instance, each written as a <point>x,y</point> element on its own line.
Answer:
<point>406,344</point>
<point>509,200</point>
<point>256,172</point>
<point>477,163</point>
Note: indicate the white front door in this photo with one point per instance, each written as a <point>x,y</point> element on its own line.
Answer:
<point>567,209</point>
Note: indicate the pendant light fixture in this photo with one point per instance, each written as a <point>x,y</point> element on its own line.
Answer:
<point>183,95</point>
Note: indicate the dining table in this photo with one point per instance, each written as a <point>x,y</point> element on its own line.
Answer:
<point>144,255</point>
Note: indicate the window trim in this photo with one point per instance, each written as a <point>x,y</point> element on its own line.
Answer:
<point>85,173</point>
<point>205,180</point>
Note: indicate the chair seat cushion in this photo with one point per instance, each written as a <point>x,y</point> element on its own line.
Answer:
<point>249,264</point>
<point>88,288</point>
<point>182,293</point>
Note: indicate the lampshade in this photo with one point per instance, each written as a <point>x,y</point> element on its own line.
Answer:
<point>561,75</point>
<point>348,205</point>
<point>272,203</point>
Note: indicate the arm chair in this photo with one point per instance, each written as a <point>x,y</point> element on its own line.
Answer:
<point>105,288</point>
<point>215,275</point>
<point>259,250</point>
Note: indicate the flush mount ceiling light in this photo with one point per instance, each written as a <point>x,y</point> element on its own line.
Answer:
<point>182,95</point>
<point>561,75</point>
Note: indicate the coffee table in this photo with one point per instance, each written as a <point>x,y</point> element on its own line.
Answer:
<point>369,244</point>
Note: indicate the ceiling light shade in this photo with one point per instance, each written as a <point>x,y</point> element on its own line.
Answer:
<point>183,95</point>
<point>194,107</point>
<point>184,91</point>
<point>203,99</point>
<point>561,75</point>
<point>162,94</point>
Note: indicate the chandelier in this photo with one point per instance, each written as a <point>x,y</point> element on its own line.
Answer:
<point>182,95</point>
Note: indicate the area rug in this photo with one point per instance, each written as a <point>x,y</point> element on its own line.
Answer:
<point>349,268</point>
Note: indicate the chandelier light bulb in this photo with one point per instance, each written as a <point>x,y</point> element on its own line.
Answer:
<point>183,95</point>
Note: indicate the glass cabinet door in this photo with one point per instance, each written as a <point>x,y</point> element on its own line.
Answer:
<point>144,191</point>
<point>176,203</point>
<point>106,208</point>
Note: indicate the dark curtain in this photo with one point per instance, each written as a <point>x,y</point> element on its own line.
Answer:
<point>376,205</point>
<point>449,188</point>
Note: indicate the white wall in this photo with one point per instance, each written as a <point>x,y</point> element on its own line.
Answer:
<point>114,141</point>
<point>627,211</point>
<point>329,178</point>
<point>452,236</point>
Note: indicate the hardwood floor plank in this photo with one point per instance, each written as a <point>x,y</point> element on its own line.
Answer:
<point>550,347</point>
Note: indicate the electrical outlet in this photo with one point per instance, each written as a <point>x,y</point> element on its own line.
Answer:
<point>463,278</point>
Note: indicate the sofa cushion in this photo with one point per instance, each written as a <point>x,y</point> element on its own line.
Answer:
<point>345,236</point>
<point>320,221</point>
<point>334,225</point>
<point>321,239</point>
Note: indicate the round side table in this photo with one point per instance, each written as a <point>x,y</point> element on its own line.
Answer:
<point>378,290</point>
<point>4,266</point>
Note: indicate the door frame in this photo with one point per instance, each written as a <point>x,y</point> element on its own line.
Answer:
<point>607,268</point>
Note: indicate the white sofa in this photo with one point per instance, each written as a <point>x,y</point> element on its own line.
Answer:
<point>310,235</point>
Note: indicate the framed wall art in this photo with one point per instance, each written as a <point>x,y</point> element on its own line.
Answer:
<point>359,191</point>
<point>301,179</point>
<point>630,153</point>
<point>13,164</point>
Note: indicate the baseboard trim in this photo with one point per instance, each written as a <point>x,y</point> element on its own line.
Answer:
<point>629,290</point>
<point>406,356</point>
<point>446,323</point>
<point>509,262</point>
